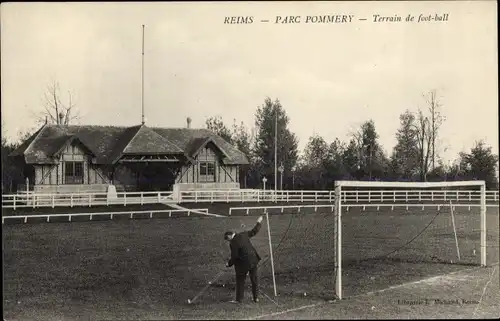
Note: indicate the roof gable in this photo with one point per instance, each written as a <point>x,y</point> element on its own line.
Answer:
<point>182,137</point>
<point>146,141</point>
<point>196,145</point>
<point>70,139</point>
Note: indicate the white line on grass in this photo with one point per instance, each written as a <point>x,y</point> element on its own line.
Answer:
<point>363,294</point>
<point>414,282</point>
<point>289,310</point>
<point>484,291</point>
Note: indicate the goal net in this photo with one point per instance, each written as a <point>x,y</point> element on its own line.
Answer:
<point>388,232</point>
<point>374,235</point>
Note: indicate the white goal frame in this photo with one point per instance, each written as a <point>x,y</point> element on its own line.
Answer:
<point>387,184</point>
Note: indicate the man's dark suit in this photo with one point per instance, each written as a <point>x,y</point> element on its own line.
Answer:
<point>245,259</point>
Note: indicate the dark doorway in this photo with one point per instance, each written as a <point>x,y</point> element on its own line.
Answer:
<point>156,176</point>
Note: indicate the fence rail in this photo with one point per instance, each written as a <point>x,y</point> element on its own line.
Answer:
<point>265,208</point>
<point>329,196</point>
<point>111,214</point>
<point>34,200</point>
<point>347,206</point>
<point>407,196</point>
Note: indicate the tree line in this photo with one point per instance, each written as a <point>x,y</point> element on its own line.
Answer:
<point>415,157</point>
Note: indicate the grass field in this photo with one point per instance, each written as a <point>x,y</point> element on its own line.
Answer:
<point>148,269</point>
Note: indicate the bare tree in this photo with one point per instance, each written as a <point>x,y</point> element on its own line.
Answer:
<point>427,129</point>
<point>436,120</point>
<point>55,110</point>
<point>424,142</point>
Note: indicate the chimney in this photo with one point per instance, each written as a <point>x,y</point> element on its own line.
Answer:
<point>61,119</point>
<point>188,120</point>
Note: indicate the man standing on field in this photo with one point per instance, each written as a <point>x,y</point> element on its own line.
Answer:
<point>245,259</point>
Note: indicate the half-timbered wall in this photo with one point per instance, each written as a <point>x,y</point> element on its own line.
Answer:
<point>193,173</point>
<point>55,174</point>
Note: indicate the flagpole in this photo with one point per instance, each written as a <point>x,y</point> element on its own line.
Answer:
<point>275,152</point>
<point>142,76</point>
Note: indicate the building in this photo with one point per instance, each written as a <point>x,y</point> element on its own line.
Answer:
<point>69,159</point>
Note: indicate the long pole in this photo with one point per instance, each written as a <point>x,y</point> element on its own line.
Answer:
<point>142,76</point>
<point>483,224</point>
<point>271,252</point>
<point>338,208</point>
<point>454,230</point>
<point>275,152</point>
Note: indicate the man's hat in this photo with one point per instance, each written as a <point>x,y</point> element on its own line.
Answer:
<point>227,234</point>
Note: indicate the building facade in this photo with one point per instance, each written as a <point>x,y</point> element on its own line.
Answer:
<point>69,159</point>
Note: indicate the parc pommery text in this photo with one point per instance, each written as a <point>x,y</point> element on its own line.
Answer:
<point>339,19</point>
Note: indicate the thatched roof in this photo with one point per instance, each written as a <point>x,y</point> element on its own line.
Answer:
<point>108,143</point>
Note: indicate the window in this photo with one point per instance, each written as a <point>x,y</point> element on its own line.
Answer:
<point>207,171</point>
<point>73,173</point>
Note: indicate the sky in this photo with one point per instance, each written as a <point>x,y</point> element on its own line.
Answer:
<point>329,77</point>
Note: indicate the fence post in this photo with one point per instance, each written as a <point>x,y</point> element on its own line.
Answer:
<point>196,196</point>
<point>369,196</point>
<point>90,200</point>
<point>142,198</point>
<point>159,197</point>
<point>381,196</point>
<point>53,201</point>
<point>71,200</point>
<point>211,196</point>
<point>316,196</point>
<point>394,196</point>
<point>419,195</point>
<point>330,196</point>
<point>258,196</point>
<point>432,195</point>
<point>227,196</point>
<point>125,199</point>
<point>14,201</point>
<point>470,196</point>
<point>445,196</point>
<point>302,196</point>
<point>33,199</point>
<point>357,196</point>
<point>457,195</point>
<point>406,196</point>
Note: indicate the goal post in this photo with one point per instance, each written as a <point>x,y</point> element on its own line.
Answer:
<point>413,199</point>
<point>338,243</point>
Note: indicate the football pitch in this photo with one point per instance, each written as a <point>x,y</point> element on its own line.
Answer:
<point>149,268</point>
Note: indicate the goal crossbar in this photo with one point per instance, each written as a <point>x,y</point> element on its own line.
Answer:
<point>388,184</point>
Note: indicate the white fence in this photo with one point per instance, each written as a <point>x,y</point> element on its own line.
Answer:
<point>364,206</point>
<point>34,200</point>
<point>110,214</point>
<point>255,196</point>
<point>357,196</point>
<point>265,208</point>
<point>409,196</point>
